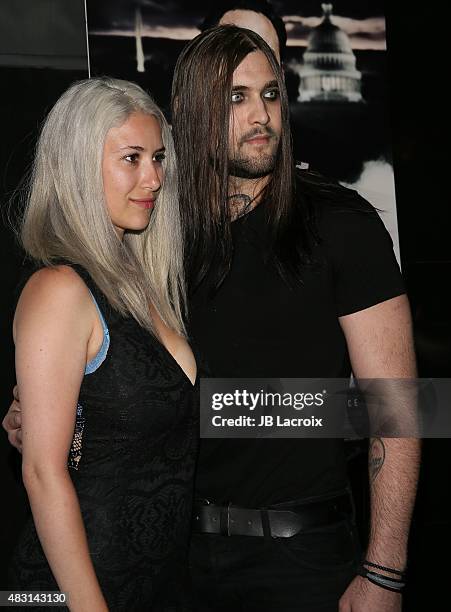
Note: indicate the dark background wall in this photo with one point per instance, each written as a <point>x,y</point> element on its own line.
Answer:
<point>43,49</point>
<point>417,51</point>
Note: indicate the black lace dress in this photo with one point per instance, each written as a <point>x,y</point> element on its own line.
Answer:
<point>132,465</point>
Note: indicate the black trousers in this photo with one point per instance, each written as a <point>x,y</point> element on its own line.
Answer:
<point>306,573</point>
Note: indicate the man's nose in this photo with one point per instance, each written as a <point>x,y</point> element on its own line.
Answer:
<point>258,113</point>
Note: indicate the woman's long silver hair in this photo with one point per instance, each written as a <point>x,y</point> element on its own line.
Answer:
<point>66,217</point>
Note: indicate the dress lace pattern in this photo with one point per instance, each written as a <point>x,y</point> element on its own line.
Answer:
<point>75,449</point>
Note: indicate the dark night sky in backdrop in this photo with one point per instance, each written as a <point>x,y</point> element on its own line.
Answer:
<point>118,16</point>
<point>120,12</point>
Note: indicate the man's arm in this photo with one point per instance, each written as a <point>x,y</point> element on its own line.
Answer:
<point>380,345</point>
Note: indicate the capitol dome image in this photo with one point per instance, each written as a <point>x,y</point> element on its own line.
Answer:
<point>328,72</point>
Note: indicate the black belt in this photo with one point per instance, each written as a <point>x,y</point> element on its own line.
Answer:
<point>232,520</point>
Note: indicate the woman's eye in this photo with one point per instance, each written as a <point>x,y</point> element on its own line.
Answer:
<point>159,157</point>
<point>271,94</point>
<point>237,97</point>
<point>132,158</point>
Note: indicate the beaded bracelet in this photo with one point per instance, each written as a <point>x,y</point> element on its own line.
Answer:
<point>385,569</point>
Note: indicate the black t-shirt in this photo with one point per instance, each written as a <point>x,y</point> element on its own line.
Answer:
<point>257,326</point>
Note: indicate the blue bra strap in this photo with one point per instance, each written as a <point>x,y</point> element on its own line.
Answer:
<point>97,361</point>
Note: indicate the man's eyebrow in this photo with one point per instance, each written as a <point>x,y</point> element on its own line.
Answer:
<point>270,84</point>
<point>267,85</point>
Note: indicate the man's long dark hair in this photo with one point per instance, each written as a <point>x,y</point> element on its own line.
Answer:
<point>201,101</point>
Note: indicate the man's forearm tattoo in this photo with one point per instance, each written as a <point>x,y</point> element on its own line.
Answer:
<point>376,457</point>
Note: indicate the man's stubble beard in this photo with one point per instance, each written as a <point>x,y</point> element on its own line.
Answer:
<point>249,167</point>
<point>252,168</point>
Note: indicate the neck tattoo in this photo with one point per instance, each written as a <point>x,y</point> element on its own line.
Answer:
<point>240,203</point>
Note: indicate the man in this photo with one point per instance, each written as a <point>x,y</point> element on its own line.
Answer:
<point>256,15</point>
<point>290,277</point>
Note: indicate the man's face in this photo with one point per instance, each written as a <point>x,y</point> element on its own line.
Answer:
<point>255,118</point>
<point>257,23</point>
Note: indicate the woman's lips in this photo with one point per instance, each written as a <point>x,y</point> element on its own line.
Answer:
<point>147,204</point>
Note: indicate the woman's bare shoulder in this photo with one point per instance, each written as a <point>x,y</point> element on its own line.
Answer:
<point>56,291</point>
<point>55,281</point>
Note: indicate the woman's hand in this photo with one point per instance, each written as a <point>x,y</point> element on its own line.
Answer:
<point>12,423</point>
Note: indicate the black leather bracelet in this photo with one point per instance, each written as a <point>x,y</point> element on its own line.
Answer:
<point>390,584</point>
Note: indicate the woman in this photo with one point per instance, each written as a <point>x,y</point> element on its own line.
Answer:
<point>105,375</point>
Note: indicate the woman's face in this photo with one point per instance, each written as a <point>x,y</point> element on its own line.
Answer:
<point>132,171</point>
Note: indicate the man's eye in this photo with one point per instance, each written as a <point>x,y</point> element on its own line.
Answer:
<point>237,97</point>
<point>159,157</point>
<point>132,158</point>
<point>271,94</point>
